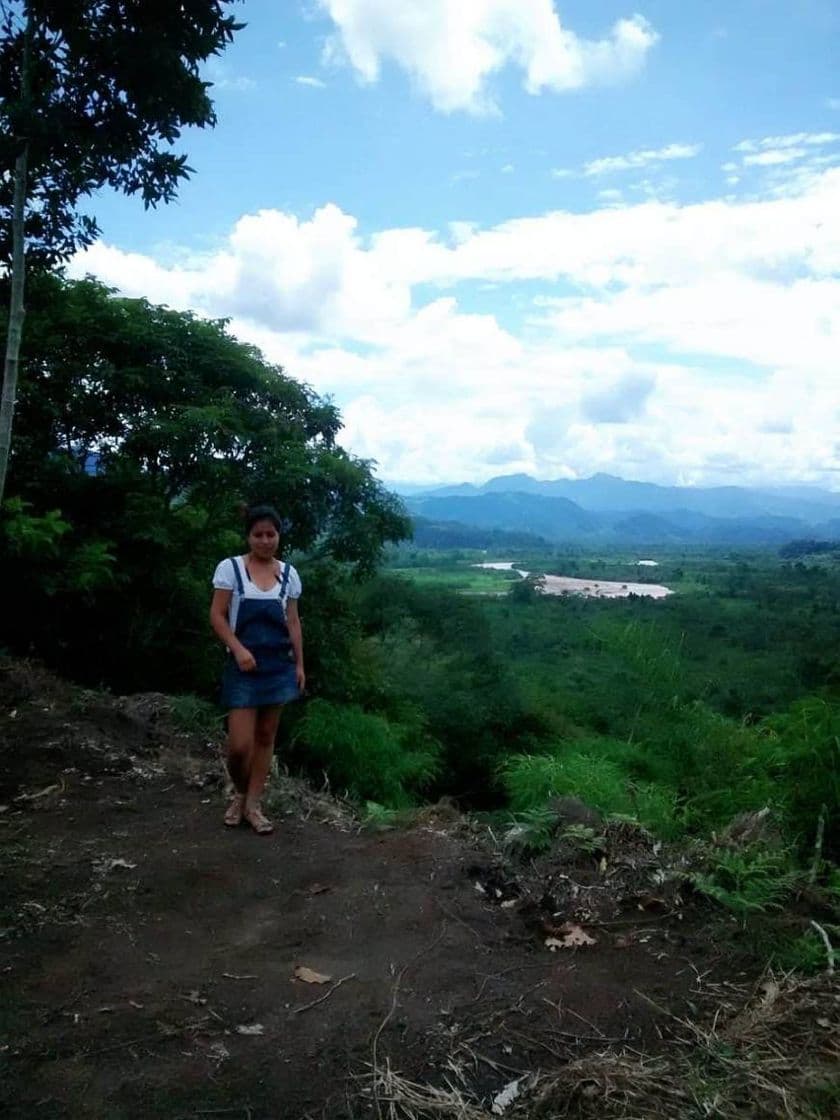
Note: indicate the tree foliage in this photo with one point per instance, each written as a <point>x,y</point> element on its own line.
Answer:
<point>146,428</point>
<point>93,93</point>
<point>111,86</point>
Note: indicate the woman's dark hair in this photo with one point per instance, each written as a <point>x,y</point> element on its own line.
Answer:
<point>253,514</point>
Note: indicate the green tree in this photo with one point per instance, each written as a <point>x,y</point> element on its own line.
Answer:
<point>93,93</point>
<point>146,427</point>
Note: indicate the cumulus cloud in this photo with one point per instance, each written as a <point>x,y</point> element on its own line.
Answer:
<point>663,341</point>
<point>618,403</point>
<point>309,80</point>
<point>451,49</point>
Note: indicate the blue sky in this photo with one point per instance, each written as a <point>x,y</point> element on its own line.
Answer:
<point>514,235</point>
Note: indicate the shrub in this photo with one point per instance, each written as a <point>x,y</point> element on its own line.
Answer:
<point>803,757</point>
<point>578,770</point>
<point>371,757</point>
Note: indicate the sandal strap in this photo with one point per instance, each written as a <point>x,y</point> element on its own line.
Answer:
<point>233,813</point>
<point>257,819</point>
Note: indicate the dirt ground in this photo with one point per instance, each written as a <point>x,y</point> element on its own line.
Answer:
<point>148,956</point>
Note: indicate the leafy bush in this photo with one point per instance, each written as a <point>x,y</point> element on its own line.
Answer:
<point>139,430</point>
<point>806,953</point>
<point>803,757</point>
<point>658,808</point>
<point>573,770</point>
<point>194,715</point>
<point>371,757</point>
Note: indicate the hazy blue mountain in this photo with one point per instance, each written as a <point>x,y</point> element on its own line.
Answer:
<point>742,517</point>
<point>605,492</point>
<point>554,518</point>
<point>463,489</point>
<point>454,534</point>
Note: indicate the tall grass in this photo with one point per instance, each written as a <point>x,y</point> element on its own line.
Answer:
<point>369,756</point>
<point>603,773</point>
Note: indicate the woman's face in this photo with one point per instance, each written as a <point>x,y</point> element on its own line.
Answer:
<point>263,538</point>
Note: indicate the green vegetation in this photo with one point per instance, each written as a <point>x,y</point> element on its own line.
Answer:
<point>140,429</point>
<point>77,113</point>
<point>680,713</point>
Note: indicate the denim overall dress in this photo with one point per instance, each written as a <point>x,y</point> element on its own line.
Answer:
<point>261,628</point>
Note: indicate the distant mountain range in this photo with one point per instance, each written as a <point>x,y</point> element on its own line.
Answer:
<point>615,510</point>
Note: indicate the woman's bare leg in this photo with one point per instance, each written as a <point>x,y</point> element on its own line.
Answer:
<point>265,732</point>
<point>242,724</point>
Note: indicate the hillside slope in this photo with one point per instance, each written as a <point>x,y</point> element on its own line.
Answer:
<point>149,958</point>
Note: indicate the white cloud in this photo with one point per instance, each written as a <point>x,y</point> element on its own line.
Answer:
<point>308,80</point>
<point>619,402</point>
<point>222,77</point>
<point>792,140</point>
<point>773,156</point>
<point>610,164</point>
<point>452,48</point>
<point>787,164</point>
<point>666,341</point>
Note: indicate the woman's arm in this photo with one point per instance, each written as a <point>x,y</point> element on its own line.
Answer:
<point>219,621</point>
<point>296,636</point>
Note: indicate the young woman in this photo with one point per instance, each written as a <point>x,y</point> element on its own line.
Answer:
<point>255,613</point>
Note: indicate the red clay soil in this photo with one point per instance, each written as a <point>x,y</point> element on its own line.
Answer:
<point>148,955</point>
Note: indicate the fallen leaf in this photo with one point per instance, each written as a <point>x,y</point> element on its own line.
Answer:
<point>55,787</point>
<point>573,937</point>
<point>651,902</point>
<point>218,1052</point>
<point>770,992</point>
<point>103,866</point>
<point>309,976</point>
<point>506,1097</point>
<point>509,904</point>
<point>250,1028</point>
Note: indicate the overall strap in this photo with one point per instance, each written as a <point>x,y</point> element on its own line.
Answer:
<point>239,584</point>
<point>285,580</point>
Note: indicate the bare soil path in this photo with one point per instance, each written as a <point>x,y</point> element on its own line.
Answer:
<point>148,956</point>
<point>150,970</point>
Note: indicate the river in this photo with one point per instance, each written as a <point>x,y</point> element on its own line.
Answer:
<point>594,588</point>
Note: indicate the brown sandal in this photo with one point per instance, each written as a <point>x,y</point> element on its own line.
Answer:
<point>233,816</point>
<point>260,823</point>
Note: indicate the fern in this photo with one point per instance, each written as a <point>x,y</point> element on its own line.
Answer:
<point>747,880</point>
